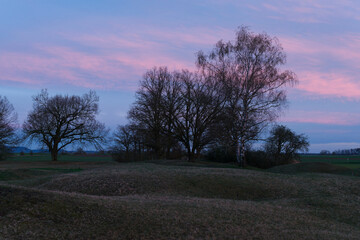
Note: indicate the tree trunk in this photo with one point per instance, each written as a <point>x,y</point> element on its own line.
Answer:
<point>240,154</point>
<point>190,155</point>
<point>54,155</point>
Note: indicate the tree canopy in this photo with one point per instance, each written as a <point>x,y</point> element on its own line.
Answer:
<point>249,67</point>
<point>283,145</point>
<point>59,121</point>
<point>8,120</point>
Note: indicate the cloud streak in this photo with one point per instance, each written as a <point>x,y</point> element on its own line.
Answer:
<point>323,117</point>
<point>310,11</point>
<point>109,61</point>
<point>326,67</point>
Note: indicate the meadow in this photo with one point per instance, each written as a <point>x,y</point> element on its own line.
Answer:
<point>350,161</point>
<point>93,197</point>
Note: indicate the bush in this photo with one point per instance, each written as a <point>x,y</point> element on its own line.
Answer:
<point>80,152</point>
<point>258,159</point>
<point>220,154</point>
<point>5,152</point>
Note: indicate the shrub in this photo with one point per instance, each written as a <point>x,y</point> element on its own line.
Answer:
<point>5,152</point>
<point>258,159</point>
<point>220,154</point>
<point>80,152</point>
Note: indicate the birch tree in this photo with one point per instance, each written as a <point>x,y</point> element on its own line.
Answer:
<point>250,67</point>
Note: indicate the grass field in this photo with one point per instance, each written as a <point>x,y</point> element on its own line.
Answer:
<point>349,161</point>
<point>89,199</point>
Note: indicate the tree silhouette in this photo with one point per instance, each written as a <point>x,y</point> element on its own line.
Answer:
<point>59,121</point>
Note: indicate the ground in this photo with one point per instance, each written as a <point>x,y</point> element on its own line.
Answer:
<point>96,198</point>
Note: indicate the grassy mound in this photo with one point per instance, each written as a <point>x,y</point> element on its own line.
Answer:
<point>313,167</point>
<point>34,214</point>
<point>19,174</point>
<point>158,201</point>
<point>153,179</point>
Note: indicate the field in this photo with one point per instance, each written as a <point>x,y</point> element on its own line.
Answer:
<point>96,198</point>
<point>349,161</point>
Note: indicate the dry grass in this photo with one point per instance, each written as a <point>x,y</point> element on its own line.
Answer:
<point>151,201</point>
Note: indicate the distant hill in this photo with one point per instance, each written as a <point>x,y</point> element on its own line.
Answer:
<point>26,150</point>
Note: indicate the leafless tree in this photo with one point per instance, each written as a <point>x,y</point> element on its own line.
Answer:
<point>8,121</point>
<point>250,67</point>
<point>59,121</point>
<point>125,139</point>
<point>200,104</point>
<point>154,109</point>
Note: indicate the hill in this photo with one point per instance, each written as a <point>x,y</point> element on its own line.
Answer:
<point>159,201</point>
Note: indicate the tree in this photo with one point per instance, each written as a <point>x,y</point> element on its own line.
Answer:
<point>250,68</point>
<point>147,112</point>
<point>59,121</point>
<point>200,105</point>
<point>156,106</point>
<point>125,140</point>
<point>325,152</point>
<point>283,145</point>
<point>8,119</point>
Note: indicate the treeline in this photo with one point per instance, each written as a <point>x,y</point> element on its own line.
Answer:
<point>222,108</point>
<point>354,151</point>
<point>224,105</point>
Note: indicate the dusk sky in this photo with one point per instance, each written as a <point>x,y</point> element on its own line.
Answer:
<point>70,47</point>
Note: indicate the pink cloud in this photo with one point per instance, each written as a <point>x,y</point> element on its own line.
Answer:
<point>111,61</point>
<point>329,84</point>
<point>327,66</point>
<point>344,48</point>
<point>56,65</point>
<point>323,117</point>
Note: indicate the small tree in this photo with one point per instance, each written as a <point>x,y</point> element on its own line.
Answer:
<point>283,145</point>
<point>8,119</point>
<point>325,152</point>
<point>60,121</point>
<point>125,140</point>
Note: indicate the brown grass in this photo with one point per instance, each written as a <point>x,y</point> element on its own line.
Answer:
<point>150,201</point>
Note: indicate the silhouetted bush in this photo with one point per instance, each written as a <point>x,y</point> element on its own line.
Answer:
<point>80,152</point>
<point>258,159</point>
<point>5,152</point>
<point>123,156</point>
<point>220,154</point>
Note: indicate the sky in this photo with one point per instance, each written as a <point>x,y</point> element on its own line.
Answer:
<point>70,47</point>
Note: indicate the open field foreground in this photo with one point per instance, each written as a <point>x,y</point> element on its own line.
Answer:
<point>167,201</point>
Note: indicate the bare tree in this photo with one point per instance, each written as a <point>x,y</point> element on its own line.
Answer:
<point>153,109</point>
<point>255,84</point>
<point>59,121</point>
<point>8,120</point>
<point>125,139</point>
<point>200,105</point>
<point>283,145</point>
